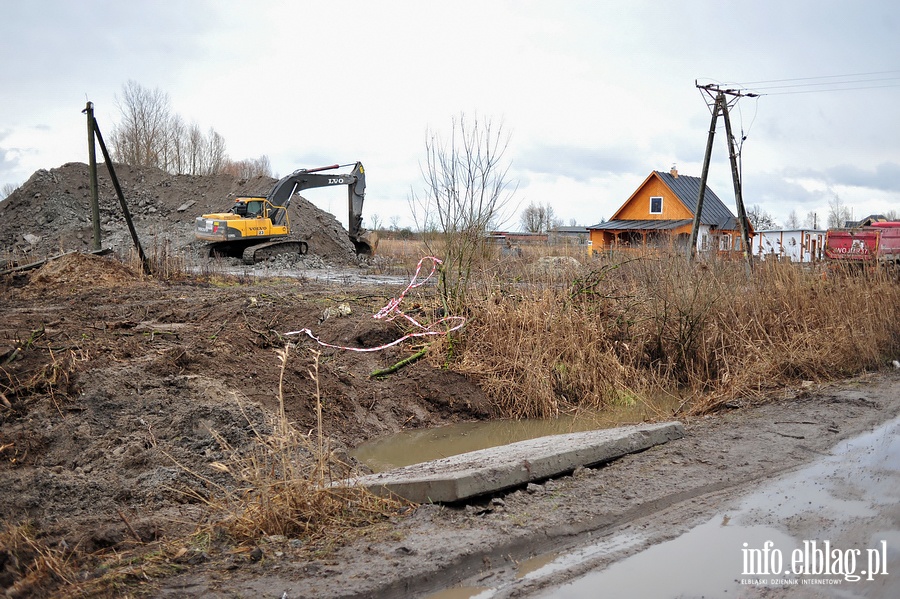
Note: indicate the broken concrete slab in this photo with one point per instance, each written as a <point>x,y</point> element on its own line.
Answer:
<point>490,470</point>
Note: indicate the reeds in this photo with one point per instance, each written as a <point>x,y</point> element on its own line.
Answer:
<point>29,564</point>
<point>544,342</point>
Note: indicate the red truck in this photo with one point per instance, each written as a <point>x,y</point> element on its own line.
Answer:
<point>876,243</point>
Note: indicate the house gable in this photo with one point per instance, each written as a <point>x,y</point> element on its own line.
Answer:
<point>663,206</point>
<point>638,206</point>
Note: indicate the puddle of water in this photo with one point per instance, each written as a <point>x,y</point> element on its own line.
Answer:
<point>692,565</point>
<point>846,498</point>
<point>609,547</point>
<point>462,593</point>
<point>528,566</point>
<point>422,445</point>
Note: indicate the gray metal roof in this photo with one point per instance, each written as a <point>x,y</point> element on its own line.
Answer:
<point>687,190</point>
<point>569,230</point>
<point>715,213</point>
<point>659,225</point>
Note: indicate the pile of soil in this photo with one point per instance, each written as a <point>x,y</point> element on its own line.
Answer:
<point>118,389</point>
<point>51,213</point>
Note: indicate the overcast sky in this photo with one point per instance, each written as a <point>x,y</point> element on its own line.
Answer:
<point>595,95</point>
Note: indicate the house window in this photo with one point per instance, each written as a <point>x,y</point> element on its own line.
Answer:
<point>725,242</point>
<point>656,205</point>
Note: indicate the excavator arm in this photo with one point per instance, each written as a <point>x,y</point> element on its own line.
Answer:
<point>301,179</point>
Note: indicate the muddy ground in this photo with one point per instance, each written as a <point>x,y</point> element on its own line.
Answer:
<point>118,389</point>
<point>116,385</point>
<point>661,492</point>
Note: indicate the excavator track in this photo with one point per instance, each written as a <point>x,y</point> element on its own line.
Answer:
<point>263,251</point>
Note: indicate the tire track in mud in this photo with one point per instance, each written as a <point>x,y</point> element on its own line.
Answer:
<point>681,511</point>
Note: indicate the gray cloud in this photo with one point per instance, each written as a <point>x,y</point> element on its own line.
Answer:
<point>885,176</point>
<point>9,160</point>
<point>578,163</point>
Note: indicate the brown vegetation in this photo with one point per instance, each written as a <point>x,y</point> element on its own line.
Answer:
<point>628,327</point>
<point>539,341</point>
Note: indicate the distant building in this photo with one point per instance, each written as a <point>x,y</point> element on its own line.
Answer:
<point>569,236</point>
<point>796,245</point>
<point>872,218</point>
<point>517,238</point>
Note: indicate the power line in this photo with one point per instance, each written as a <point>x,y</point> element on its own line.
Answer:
<point>806,85</point>
<point>827,83</point>
<point>835,89</point>
<point>823,77</point>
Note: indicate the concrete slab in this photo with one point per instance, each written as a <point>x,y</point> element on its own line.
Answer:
<point>490,470</point>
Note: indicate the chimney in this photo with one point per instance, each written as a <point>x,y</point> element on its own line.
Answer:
<point>674,172</point>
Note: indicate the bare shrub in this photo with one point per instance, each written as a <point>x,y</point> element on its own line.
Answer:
<point>466,189</point>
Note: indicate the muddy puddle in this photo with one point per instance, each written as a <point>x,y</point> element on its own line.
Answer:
<point>832,527</point>
<point>422,445</point>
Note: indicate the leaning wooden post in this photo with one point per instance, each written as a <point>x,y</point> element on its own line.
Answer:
<point>115,181</point>
<point>692,249</point>
<point>92,164</point>
<point>738,195</point>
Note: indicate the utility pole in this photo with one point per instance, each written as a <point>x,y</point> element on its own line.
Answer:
<point>95,137</point>
<point>721,98</point>
<point>92,162</point>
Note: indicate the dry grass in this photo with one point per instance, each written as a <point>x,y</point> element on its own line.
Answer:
<point>405,252</point>
<point>278,487</point>
<point>283,486</point>
<point>625,326</point>
<point>30,566</point>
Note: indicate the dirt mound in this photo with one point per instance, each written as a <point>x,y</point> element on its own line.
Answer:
<point>77,271</point>
<point>51,214</point>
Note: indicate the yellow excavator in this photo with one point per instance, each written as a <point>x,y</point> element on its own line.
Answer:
<point>258,227</point>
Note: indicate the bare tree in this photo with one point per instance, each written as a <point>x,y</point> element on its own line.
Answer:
<point>141,137</point>
<point>838,213</point>
<point>892,215</point>
<point>176,152</point>
<point>216,156</point>
<point>466,189</point>
<point>249,167</point>
<point>149,134</point>
<point>792,221</point>
<point>7,189</point>
<point>760,219</point>
<point>539,218</point>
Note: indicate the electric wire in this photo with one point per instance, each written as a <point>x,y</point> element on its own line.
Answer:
<point>822,83</point>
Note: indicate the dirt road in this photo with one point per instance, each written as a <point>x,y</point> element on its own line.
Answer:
<point>659,493</point>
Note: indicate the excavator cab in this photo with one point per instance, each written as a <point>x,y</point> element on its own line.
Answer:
<point>249,207</point>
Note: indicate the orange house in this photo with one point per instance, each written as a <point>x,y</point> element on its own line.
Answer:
<point>661,213</point>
